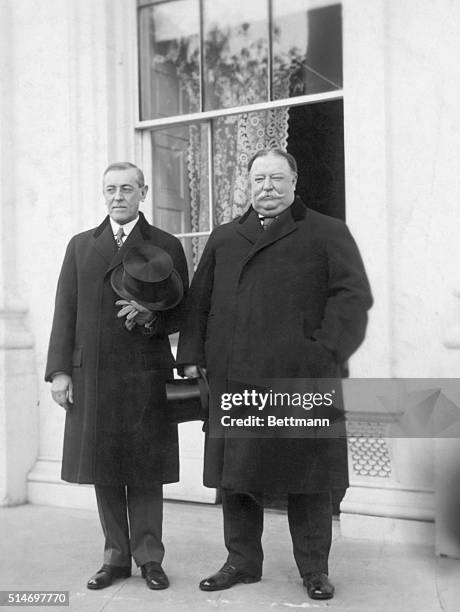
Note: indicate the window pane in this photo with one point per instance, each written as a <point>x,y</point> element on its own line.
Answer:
<point>307,48</point>
<point>236,52</point>
<point>180,182</point>
<point>316,142</point>
<point>235,140</point>
<point>169,51</point>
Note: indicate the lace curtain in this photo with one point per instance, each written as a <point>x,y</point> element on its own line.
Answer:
<point>236,139</point>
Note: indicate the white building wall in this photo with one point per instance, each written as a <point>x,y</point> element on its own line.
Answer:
<point>43,182</point>
<point>424,137</point>
<point>366,172</point>
<point>402,127</point>
<point>56,110</point>
<point>402,153</point>
<point>424,131</point>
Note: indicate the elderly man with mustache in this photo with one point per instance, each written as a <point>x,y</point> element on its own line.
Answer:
<point>279,293</point>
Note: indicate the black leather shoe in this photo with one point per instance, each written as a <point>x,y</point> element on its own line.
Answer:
<point>225,578</point>
<point>154,576</point>
<point>106,575</point>
<point>318,586</point>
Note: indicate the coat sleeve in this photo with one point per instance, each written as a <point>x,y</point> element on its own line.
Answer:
<point>172,319</point>
<point>62,338</point>
<point>190,350</point>
<point>349,297</point>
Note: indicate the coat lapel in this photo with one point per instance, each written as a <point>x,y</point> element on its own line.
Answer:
<point>249,226</point>
<point>137,236</point>
<point>285,225</point>
<point>103,241</point>
<point>105,244</point>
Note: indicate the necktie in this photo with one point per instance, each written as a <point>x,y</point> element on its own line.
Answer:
<point>267,221</point>
<point>119,237</point>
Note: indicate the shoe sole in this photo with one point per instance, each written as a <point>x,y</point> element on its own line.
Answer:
<point>95,587</point>
<point>320,595</point>
<point>157,588</point>
<point>245,580</point>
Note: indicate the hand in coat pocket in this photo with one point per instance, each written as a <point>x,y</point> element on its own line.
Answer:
<point>321,362</point>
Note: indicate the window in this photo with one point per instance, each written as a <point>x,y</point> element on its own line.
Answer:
<point>219,80</point>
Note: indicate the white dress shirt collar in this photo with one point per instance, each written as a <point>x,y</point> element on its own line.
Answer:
<point>127,227</point>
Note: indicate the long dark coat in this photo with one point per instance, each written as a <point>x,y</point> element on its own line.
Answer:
<point>117,432</point>
<point>290,302</point>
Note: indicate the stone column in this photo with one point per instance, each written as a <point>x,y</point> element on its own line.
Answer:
<point>18,390</point>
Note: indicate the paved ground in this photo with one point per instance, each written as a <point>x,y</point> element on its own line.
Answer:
<point>46,548</point>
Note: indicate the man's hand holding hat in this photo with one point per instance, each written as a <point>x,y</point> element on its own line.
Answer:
<point>135,314</point>
<point>148,283</point>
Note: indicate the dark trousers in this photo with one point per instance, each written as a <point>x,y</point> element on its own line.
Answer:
<point>310,524</point>
<point>131,519</point>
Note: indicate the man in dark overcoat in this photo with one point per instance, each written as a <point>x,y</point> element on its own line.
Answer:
<point>288,302</point>
<point>109,373</point>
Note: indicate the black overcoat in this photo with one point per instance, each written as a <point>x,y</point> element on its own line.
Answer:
<point>290,302</point>
<point>117,431</point>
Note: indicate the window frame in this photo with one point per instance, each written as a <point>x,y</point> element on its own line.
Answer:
<point>143,128</point>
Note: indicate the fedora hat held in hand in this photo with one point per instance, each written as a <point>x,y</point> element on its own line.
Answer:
<point>147,275</point>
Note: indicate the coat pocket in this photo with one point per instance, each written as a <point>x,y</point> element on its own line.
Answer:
<point>319,360</point>
<point>77,357</point>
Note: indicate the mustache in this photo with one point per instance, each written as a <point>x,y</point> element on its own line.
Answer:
<point>269,195</point>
